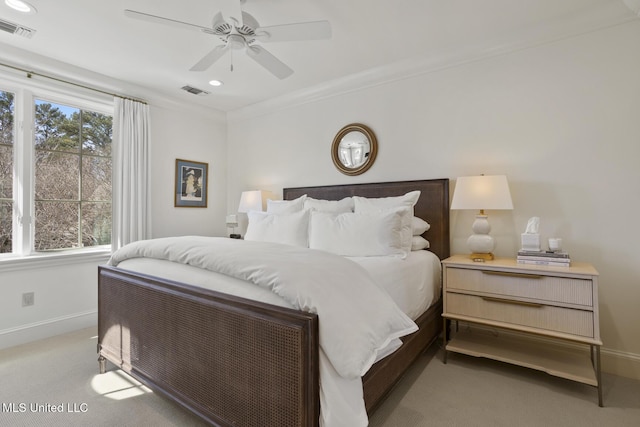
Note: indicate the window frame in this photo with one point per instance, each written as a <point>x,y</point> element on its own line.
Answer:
<point>26,91</point>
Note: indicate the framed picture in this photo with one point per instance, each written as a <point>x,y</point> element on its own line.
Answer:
<point>191,184</point>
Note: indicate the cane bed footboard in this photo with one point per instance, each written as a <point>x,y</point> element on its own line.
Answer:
<point>229,360</point>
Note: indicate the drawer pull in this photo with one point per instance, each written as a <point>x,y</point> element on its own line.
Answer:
<point>511,274</point>
<point>510,301</point>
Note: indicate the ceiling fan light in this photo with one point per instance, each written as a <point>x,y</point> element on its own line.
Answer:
<point>21,6</point>
<point>235,41</point>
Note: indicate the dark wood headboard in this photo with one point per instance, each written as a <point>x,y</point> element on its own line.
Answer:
<point>433,205</point>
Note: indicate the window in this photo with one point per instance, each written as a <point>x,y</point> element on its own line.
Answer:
<point>6,170</point>
<point>55,176</point>
<point>72,177</point>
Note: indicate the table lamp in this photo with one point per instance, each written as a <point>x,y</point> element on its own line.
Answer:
<point>232,222</point>
<point>254,200</point>
<point>490,192</point>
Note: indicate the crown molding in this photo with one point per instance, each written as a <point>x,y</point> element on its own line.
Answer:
<point>634,5</point>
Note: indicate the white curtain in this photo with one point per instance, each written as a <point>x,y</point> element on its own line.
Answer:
<point>131,173</point>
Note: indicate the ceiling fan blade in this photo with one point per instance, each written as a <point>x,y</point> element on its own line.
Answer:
<point>166,21</point>
<point>231,9</point>
<point>268,61</point>
<point>209,59</point>
<point>316,30</point>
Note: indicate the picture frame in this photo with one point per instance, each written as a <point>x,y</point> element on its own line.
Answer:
<point>191,184</point>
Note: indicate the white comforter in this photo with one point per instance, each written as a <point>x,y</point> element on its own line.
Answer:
<point>357,319</point>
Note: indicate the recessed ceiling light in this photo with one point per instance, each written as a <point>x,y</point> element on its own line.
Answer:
<point>215,83</point>
<point>21,6</point>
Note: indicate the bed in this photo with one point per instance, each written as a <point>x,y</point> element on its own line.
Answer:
<point>235,361</point>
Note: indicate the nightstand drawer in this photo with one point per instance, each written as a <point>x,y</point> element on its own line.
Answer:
<point>535,286</point>
<point>551,318</point>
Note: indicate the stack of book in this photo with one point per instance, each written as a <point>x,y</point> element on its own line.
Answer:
<point>558,259</point>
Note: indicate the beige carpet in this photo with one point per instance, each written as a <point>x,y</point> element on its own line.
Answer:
<point>35,379</point>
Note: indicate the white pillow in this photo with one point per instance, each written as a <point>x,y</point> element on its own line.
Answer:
<point>290,229</point>
<point>286,206</point>
<point>418,243</point>
<point>358,234</point>
<point>335,206</point>
<point>419,226</point>
<point>364,204</point>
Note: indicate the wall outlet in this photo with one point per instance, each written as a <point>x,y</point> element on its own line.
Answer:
<point>28,298</point>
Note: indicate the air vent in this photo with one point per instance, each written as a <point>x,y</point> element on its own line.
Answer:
<point>194,90</point>
<point>19,30</point>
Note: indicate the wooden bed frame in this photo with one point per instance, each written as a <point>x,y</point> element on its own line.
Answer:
<point>237,362</point>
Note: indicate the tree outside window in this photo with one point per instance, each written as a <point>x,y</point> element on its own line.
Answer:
<point>6,170</point>
<point>72,177</point>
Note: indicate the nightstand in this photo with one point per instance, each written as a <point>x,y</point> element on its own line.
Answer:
<point>525,315</point>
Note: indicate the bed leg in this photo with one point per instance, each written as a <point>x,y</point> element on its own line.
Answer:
<point>102,364</point>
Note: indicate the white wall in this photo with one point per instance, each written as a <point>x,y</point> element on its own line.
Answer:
<point>560,120</point>
<point>65,300</point>
<point>190,135</point>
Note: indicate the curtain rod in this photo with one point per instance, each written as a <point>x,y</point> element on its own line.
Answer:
<point>30,74</point>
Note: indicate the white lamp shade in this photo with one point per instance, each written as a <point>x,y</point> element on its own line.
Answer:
<point>254,200</point>
<point>482,192</point>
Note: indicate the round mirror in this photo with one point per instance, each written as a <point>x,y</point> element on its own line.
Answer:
<point>354,149</point>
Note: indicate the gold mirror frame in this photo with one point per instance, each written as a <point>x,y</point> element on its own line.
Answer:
<point>370,157</point>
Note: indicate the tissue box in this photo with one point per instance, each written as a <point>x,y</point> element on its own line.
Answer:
<point>530,242</point>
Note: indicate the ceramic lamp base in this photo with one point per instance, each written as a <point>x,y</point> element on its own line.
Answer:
<point>481,243</point>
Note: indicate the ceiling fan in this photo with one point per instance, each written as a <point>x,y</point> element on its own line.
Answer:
<point>238,30</point>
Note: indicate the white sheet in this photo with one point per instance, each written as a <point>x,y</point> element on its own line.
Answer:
<point>341,398</point>
<point>414,283</point>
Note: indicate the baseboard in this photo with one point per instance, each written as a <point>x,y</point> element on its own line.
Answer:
<point>621,363</point>
<point>615,362</point>
<point>47,328</point>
